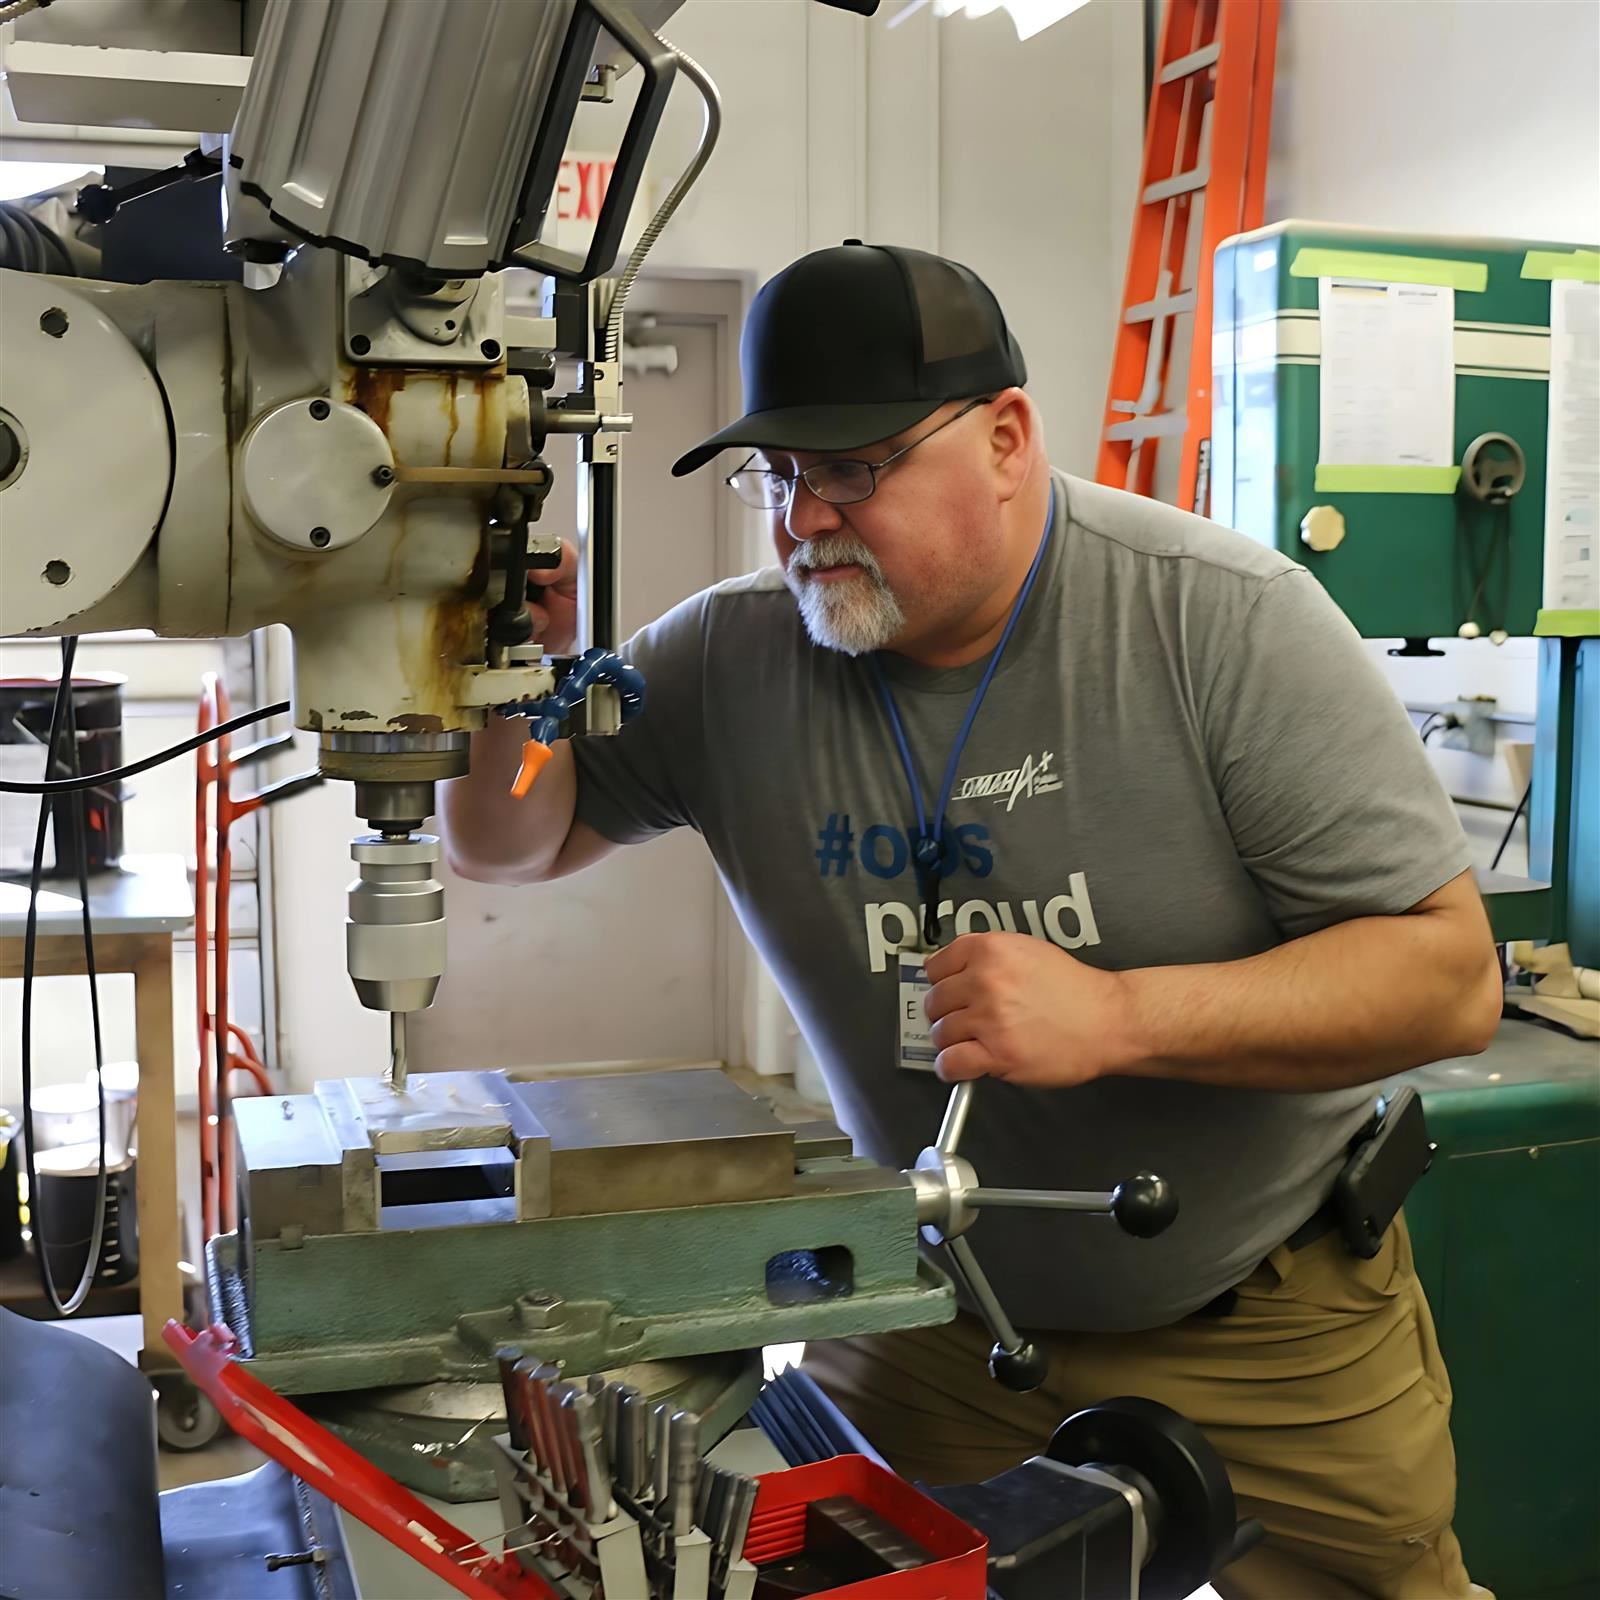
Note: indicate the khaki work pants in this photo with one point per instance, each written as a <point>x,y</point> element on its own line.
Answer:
<point>1323,1390</point>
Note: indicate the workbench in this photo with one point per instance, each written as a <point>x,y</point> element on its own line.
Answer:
<point>135,911</point>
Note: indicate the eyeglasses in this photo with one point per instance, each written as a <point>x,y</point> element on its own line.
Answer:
<point>840,483</point>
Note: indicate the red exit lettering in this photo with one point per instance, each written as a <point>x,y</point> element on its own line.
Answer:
<point>581,187</point>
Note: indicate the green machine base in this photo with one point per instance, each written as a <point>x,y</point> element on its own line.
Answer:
<point>402,1237</point>
<point>1504,1232</point>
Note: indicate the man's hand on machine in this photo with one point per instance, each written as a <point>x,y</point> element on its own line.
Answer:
<point>1004,1005</point>
<point>555,610</point>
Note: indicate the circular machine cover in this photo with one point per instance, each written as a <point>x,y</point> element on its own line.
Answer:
<point>85,415</point>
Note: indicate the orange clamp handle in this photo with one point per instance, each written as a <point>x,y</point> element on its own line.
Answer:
<point>534,758</point>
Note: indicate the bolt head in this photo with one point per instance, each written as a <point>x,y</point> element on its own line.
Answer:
<point>320,410</point>
<point>321,538</point>
<point>539,1311</point>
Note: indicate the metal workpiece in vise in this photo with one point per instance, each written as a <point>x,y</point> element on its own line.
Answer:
<point>949,1198</point>
<point>624,1218</point>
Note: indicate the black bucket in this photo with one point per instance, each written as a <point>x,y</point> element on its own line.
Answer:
<point>66,1208</point>
<point>25,707</point>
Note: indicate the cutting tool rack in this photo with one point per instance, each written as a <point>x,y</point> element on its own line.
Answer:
<point>605,1499</point>
<point>632,1553</point>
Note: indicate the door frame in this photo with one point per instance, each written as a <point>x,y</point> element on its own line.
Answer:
<point>718,301</point>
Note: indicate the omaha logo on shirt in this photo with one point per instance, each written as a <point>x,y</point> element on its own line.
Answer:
<point>1031,778</point>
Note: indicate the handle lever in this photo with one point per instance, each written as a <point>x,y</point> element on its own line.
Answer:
<point>949,1197</point>
<point>1016,1362</point>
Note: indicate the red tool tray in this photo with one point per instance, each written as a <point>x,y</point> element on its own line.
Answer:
<point>307,1449</point>
<point>777,1529</point>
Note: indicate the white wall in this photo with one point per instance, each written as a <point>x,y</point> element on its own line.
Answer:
<point>1018,159</point>
<point>1440,116</point>
<point>1454,117</point>
<point>1039,159</point>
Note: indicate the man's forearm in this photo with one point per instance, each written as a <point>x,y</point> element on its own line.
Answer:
<point>1347,1005</point>
<point>491,835</point>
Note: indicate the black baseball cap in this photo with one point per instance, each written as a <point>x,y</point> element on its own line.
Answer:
<point>857,343</point>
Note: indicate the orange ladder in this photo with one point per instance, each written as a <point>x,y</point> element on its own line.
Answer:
<point>1205,149</point>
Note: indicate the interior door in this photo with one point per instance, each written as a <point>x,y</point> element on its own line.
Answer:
<point>622,963</point>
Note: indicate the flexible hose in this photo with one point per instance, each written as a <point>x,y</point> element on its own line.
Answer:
<point>27,244</point>
<point>594,666</point>
<point>13,9</point>
<point>709,131</point>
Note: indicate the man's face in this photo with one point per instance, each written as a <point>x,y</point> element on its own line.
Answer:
<point>915,558</point>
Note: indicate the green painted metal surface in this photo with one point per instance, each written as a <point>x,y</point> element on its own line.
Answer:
<point>358,1310</point>
<point>1409,564</point>
<point>1400,571</point>
<point>1504,1229</point>
<point>1518,908</point>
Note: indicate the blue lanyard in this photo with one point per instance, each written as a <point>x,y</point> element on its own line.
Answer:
<point>928,846</point>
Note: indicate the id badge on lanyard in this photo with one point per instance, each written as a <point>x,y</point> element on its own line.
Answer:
<point>917,1053</point>
<point>916,1050</point>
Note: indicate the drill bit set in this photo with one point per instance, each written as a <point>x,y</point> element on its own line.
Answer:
<point>607,1498</point>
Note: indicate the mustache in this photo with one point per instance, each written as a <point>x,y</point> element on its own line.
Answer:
<point>834,550</point>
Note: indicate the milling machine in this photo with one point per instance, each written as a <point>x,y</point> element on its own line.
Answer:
<point>352,442</point>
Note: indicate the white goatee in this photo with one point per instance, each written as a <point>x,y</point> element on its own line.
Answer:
<point>854,615</point>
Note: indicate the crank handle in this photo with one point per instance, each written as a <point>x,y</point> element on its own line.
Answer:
<point>1143,1205</point>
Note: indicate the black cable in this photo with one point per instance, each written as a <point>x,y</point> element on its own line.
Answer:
<point>96,780</point>
<point>1505,838</point>
<point>62,722</point>
<point>80,811</point>
<point>1431,725</point>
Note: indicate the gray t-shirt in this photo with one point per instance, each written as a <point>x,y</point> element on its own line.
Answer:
<point>1185,756</point>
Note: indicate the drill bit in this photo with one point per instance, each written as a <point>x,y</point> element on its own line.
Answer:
<point>397,1050</point>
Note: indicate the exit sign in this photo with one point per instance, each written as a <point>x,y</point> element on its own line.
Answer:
<point>581,188</point>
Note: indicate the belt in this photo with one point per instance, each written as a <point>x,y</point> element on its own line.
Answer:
<point>1321,1221</point>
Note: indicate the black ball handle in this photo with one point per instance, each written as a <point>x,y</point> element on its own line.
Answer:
<point>1144,1205</point>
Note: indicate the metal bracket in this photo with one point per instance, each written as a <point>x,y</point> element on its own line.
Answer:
<point>389,321</point>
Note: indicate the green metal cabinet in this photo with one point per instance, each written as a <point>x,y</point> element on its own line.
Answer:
<point>1416,566</point>
<point>1401,570</point>
<point>1506,1229</point>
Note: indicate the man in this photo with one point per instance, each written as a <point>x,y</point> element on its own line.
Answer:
<point>1192,884</point>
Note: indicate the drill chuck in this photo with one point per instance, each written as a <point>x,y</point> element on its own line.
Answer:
<point>395,932</point>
